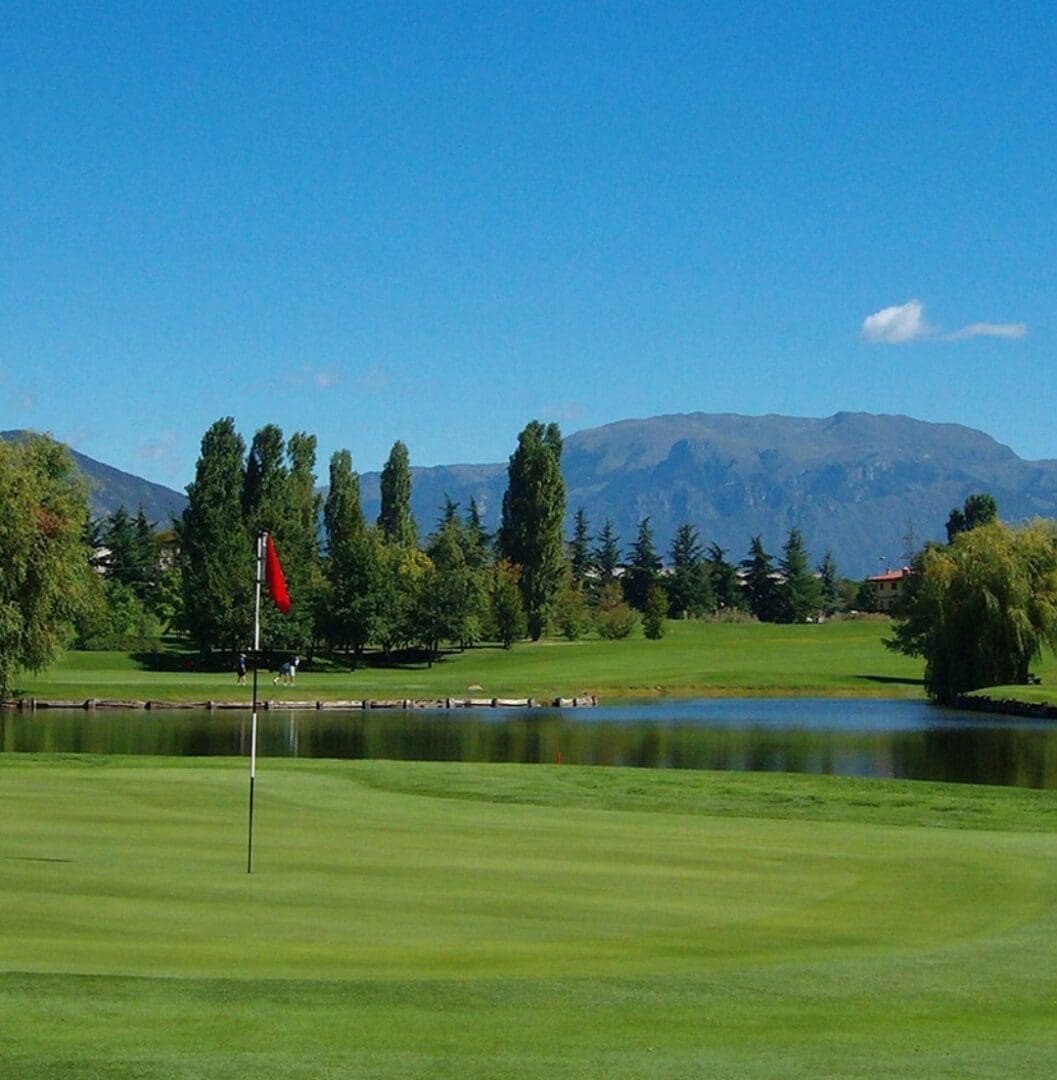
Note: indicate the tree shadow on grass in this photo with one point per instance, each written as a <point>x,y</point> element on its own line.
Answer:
<point>894,680</point>
<point>162,660</point>
<point>186,660</point>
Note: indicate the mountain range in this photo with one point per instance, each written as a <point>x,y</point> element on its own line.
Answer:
<point>855,483</point>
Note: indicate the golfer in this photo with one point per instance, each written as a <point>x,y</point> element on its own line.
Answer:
<point>287,671</point>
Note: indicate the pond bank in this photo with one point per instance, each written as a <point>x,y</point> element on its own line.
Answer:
<point>982,703</point>
<point>582,701</point>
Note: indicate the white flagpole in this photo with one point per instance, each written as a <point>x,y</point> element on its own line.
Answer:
<point>256,664</point>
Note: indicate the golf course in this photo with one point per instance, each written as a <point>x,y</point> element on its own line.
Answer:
<point>694,659</point>
<point>438,919</point>
<point>421,919</point>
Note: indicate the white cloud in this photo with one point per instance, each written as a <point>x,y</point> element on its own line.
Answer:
<point>906,322</point>
<point>989,329</point>
<point>897,325</point>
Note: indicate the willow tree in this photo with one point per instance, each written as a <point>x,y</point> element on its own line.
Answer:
<point>533,511</point>
<point>981,609</point>
<point>46,576</point>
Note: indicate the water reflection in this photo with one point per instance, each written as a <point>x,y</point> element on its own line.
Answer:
<point>851,738</point>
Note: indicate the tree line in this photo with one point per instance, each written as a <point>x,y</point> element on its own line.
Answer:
<point>359,584</point>
<point>978,609</point>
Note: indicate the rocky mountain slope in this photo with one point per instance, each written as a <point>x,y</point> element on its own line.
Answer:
<point>856,483</point>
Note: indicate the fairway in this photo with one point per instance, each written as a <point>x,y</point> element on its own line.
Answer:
<point>694,658</point>
<point>460,920</point>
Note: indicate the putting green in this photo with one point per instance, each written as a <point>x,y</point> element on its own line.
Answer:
<point>411,919</point>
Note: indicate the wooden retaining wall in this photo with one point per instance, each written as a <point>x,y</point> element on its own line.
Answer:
<point>580,702</point>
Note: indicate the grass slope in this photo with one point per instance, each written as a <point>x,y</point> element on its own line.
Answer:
<point>457,920</point>
<point>840,658</point>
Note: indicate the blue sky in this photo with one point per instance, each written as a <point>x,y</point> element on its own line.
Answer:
<point>436,222</point>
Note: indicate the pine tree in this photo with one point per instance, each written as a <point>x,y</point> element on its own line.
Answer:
<point>579,551</point>
<point>533,511</point>
<point>761,589</point>
<point>449,512</point>
<point>478,539</point>
<point>723,577</point>
<point>145,553</point>
<point>643,567</point>
<point>216,554</point>
<point>395,520</point>
<point>832,597</point>
<point>117,535</point>
<point>690,584</point>
<point>605,557</point>
<point>799,594</point>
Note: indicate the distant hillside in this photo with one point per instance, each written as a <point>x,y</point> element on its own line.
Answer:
<point>110,488</point>
<point>854,482</point>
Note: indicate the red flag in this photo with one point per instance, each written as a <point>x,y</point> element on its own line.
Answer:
<point>273,575</point>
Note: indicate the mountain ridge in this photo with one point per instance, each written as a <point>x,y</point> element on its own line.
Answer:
<point>854,482</point>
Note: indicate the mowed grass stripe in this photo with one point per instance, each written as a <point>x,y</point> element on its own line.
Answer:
<point>418,919</point>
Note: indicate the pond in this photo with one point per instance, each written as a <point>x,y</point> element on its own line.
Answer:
<point>904,739</point>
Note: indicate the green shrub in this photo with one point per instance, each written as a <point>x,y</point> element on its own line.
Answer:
<point>614,619</point>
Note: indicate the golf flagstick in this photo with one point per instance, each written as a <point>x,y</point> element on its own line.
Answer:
<point>256,665</point>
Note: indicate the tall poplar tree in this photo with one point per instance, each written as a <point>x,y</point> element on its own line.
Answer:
<point>264,486</point>
<point>216,553</point>
<point>533,511</point>
<point>395,520</point>
<point>264,505</point>
<point>299,535</point>
<point>352,564</point>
